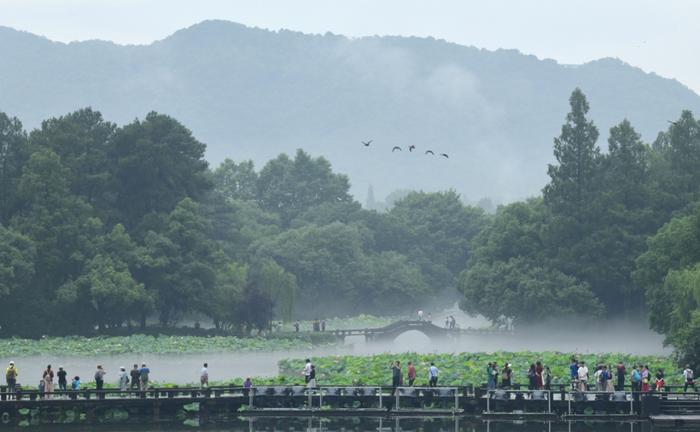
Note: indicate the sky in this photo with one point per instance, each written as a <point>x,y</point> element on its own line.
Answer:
<point>658,36</point>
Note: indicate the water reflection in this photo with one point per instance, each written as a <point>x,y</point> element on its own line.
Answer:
<point>384,424</point>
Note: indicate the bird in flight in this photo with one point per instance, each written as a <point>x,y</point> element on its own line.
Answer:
<point>411,148</point>
<point>367,143</point>
<point>396,148</point>
<point>672,122</point>
<point>444,155</point>
<point>430,152</point>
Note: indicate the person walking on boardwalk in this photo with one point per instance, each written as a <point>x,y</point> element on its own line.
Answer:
<point>144,374</point>
<point>433,373</point>
<point>204,376</point>
<point>11,377</point>
<point>411,374</point>
<point>62,381</point>
<point>48,382</point>
<point>123,379</point>
<point>307,371</point>
<point>621,372</point>
<point>135,374</point>
<point>312,378</point>
<point>689,379</point>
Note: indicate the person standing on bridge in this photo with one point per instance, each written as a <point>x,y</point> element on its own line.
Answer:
<point>144,374</point>
<point>621,371</point>
<point>506,375</point>
<point>688,377</point>
<point>48,381</point>
<point>135,374</point>
<point>582,373</point>
<point>123,379</point>
<point>11,377</point>
<point>395,376</point>
<point>433,373</point>
<point>204,376</point>
<point>411,374</point>
<point>62,381</point>
<point>420,314</point>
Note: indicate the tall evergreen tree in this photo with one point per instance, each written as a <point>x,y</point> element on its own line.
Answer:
<point>571,190</point>
<point>14,152</point>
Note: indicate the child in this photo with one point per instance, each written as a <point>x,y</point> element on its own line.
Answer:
<point>75,386</point>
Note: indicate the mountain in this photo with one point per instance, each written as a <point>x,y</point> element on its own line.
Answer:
<point>251,94</point>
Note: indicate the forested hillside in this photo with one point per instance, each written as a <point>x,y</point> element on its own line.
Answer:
<point>253,94</point>
<point>103,226</point>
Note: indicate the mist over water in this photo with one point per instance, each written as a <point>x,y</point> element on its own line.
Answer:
<point>612,336</point>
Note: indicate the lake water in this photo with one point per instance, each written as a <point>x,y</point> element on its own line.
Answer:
<point>184,368</point>
<point>386,425</point>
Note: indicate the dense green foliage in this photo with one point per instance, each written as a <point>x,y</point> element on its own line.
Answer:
<point>670,274</point>
<point>572,252</point>
<point>458,369</point>
<point>104,226</point>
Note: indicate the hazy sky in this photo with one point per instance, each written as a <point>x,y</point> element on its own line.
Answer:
<point>660,36</point>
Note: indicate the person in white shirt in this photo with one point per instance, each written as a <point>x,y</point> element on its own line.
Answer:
<point>583,376</point>
<point>307,371</point>
<point>433,375</point>
<point>123,379</point>
<point>204,376</point>
<point>689,379</point>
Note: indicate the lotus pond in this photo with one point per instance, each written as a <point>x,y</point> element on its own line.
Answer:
<point>459,369</point>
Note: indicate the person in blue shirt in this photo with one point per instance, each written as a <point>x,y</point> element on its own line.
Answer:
<point>143,376</point>
<point>75,384</point>
<point>636,379</point>
<point>573,369</point>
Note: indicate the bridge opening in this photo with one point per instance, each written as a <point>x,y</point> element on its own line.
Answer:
<point>412,340</point>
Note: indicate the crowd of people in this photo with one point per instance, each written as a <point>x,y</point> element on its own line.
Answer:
<point>135,379</point>
<point>605,378</point>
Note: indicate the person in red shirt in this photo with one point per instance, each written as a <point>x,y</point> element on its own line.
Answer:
<point>411,374</point>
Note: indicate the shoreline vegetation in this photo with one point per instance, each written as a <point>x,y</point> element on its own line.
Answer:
<point>186,340</point>
<point>148,344</point>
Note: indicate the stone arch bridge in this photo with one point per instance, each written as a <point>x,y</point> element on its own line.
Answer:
<point>394,330</point>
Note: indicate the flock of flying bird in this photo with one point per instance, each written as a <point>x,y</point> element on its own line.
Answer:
<point>410,149</point>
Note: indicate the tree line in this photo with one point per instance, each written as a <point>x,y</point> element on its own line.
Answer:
<point>104,226</point>
<point>614,234</point>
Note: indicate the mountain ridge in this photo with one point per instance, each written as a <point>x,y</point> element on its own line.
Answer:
<point>253,93</point>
